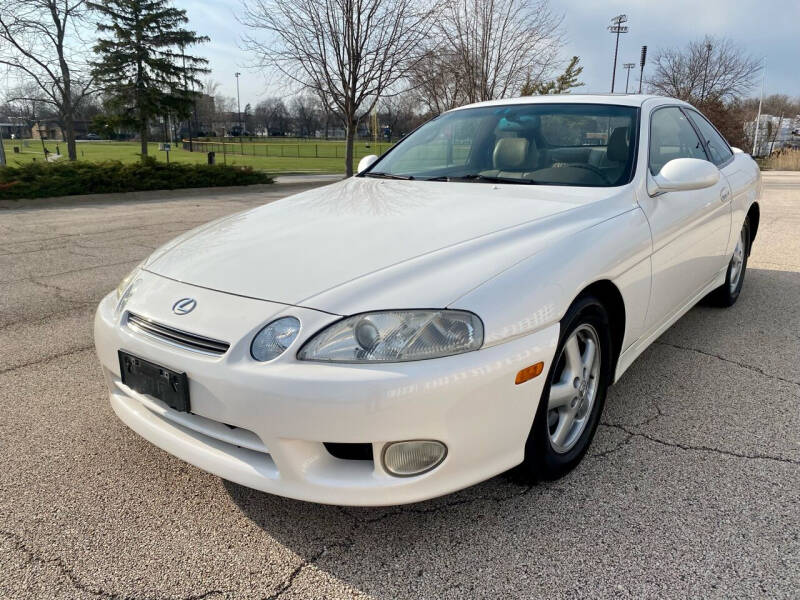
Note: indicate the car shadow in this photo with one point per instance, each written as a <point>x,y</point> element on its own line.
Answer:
<point>470,542</point>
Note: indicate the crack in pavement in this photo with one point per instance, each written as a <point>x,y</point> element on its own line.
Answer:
<point>659,413</point>
<point>34,278</point>
<point>76,308</point>
<point>687,447</point>
<point>19,544</point>
<point>286,585</point>
<point>358,524</point>
<point>46,359</point>
<point>755,369</point>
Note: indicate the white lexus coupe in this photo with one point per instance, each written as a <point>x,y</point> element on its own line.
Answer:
<point>457,308</point>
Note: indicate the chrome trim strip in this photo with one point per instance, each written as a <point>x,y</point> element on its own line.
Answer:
<point>177,337</point>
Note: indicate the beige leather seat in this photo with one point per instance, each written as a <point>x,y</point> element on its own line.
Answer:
<point>512,157</point>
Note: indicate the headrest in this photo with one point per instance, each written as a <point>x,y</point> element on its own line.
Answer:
<point>510,154</point>
<point>617,149</point>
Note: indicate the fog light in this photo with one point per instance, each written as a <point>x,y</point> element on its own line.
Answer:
<point>404,459</point>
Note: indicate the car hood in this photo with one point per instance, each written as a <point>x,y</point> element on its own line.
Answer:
<point>364,244</point>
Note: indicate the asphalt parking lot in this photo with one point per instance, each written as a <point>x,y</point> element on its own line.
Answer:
<point>692,487</point>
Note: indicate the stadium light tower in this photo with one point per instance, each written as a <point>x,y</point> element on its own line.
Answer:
<point>705,71</point>
<point>628,67</point>
<point>617,26</point>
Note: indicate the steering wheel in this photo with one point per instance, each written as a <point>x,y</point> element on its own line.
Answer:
<point>596,170</point>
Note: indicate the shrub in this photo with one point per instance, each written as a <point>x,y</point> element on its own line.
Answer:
<point>41,180</point>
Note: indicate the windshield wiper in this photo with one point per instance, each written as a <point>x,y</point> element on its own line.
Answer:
<point>380,175</point>
<point>477,177</point>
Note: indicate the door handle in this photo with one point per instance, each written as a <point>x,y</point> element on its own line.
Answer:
<point>725,195</point>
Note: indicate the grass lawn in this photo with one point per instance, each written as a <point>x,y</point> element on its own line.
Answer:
<point>284,156</point>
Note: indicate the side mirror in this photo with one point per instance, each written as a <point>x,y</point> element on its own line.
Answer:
<point>682,174</point>
<point>366,162</point>
<point>737,150</point>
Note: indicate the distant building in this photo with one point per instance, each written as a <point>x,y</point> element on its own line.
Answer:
<point>51,130</point>
<point>16,126</point>
<point>46,130</point>
<point>775,133</point>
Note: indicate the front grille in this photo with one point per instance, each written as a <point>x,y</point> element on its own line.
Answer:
<point>177,337</point>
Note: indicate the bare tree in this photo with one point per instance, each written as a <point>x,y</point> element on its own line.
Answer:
<point>305,115</point>
<point>347,52</point>
<point>39,41</point>
<point>272,116</point>
<point>711,68</point>
<point>436,82</point>
<point>400,114</point>
<point>498,45</point>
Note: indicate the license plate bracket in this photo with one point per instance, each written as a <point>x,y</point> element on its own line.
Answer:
<point>145,377</point>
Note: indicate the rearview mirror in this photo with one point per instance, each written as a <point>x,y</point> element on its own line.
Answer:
<point>366,162</point>
<point>682,174</point>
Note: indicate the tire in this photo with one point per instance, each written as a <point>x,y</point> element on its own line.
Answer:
<point>550,453</point>
<point>727,294</point>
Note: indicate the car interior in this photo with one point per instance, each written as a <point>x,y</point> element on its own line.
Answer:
<point>534,158</point>
<point>548,144</point>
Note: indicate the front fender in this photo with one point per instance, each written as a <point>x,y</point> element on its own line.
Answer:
<point>537,291</point>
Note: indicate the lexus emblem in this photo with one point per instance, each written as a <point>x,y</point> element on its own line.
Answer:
<point>184,306</point>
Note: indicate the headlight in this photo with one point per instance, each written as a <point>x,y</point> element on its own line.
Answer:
<point>274,339</point>
<point>126,281</point>
<point>396,336</point>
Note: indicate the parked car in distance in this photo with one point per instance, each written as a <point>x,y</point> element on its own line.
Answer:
<point>458,308</point>
<point>93,136</point>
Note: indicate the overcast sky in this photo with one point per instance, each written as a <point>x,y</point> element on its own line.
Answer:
<point>765,28</point>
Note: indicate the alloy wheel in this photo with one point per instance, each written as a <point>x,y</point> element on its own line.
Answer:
<point>573,393</point>
<point>737,261</point>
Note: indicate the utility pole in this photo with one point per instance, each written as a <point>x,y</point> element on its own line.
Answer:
<point>617,26</point>
<point>758,116</point>
<point>705,71</point>
<point>642,60</point>
<point>238,104</point>
<point>628,67</point>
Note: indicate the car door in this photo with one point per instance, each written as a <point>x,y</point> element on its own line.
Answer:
<point>737,169</point>
<point>690,229</point>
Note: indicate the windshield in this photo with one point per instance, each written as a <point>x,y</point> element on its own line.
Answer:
<point>546,144</point>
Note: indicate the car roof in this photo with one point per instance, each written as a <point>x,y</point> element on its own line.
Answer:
<point>615,99</point>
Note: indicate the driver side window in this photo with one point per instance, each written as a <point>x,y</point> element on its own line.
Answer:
<point>672,136</point>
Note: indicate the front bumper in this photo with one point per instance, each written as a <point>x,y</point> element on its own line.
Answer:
<point>263,425</point>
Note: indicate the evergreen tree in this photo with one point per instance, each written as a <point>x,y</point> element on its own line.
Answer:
<point>560,85</point>
<point>142,63</point>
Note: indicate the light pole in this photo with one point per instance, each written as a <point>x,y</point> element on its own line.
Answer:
<point>238,106</point>
<point>642,60</point>
<point>705,71</point>
<point>617,27</point>
<point>628,67</point>
<point>758,115</point>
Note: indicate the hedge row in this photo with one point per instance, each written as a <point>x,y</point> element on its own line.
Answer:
<point>42,180</point>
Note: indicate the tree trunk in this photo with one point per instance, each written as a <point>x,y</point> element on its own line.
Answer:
<point>351,134</point>
<point>69,135</point>
<point>143,133</point>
